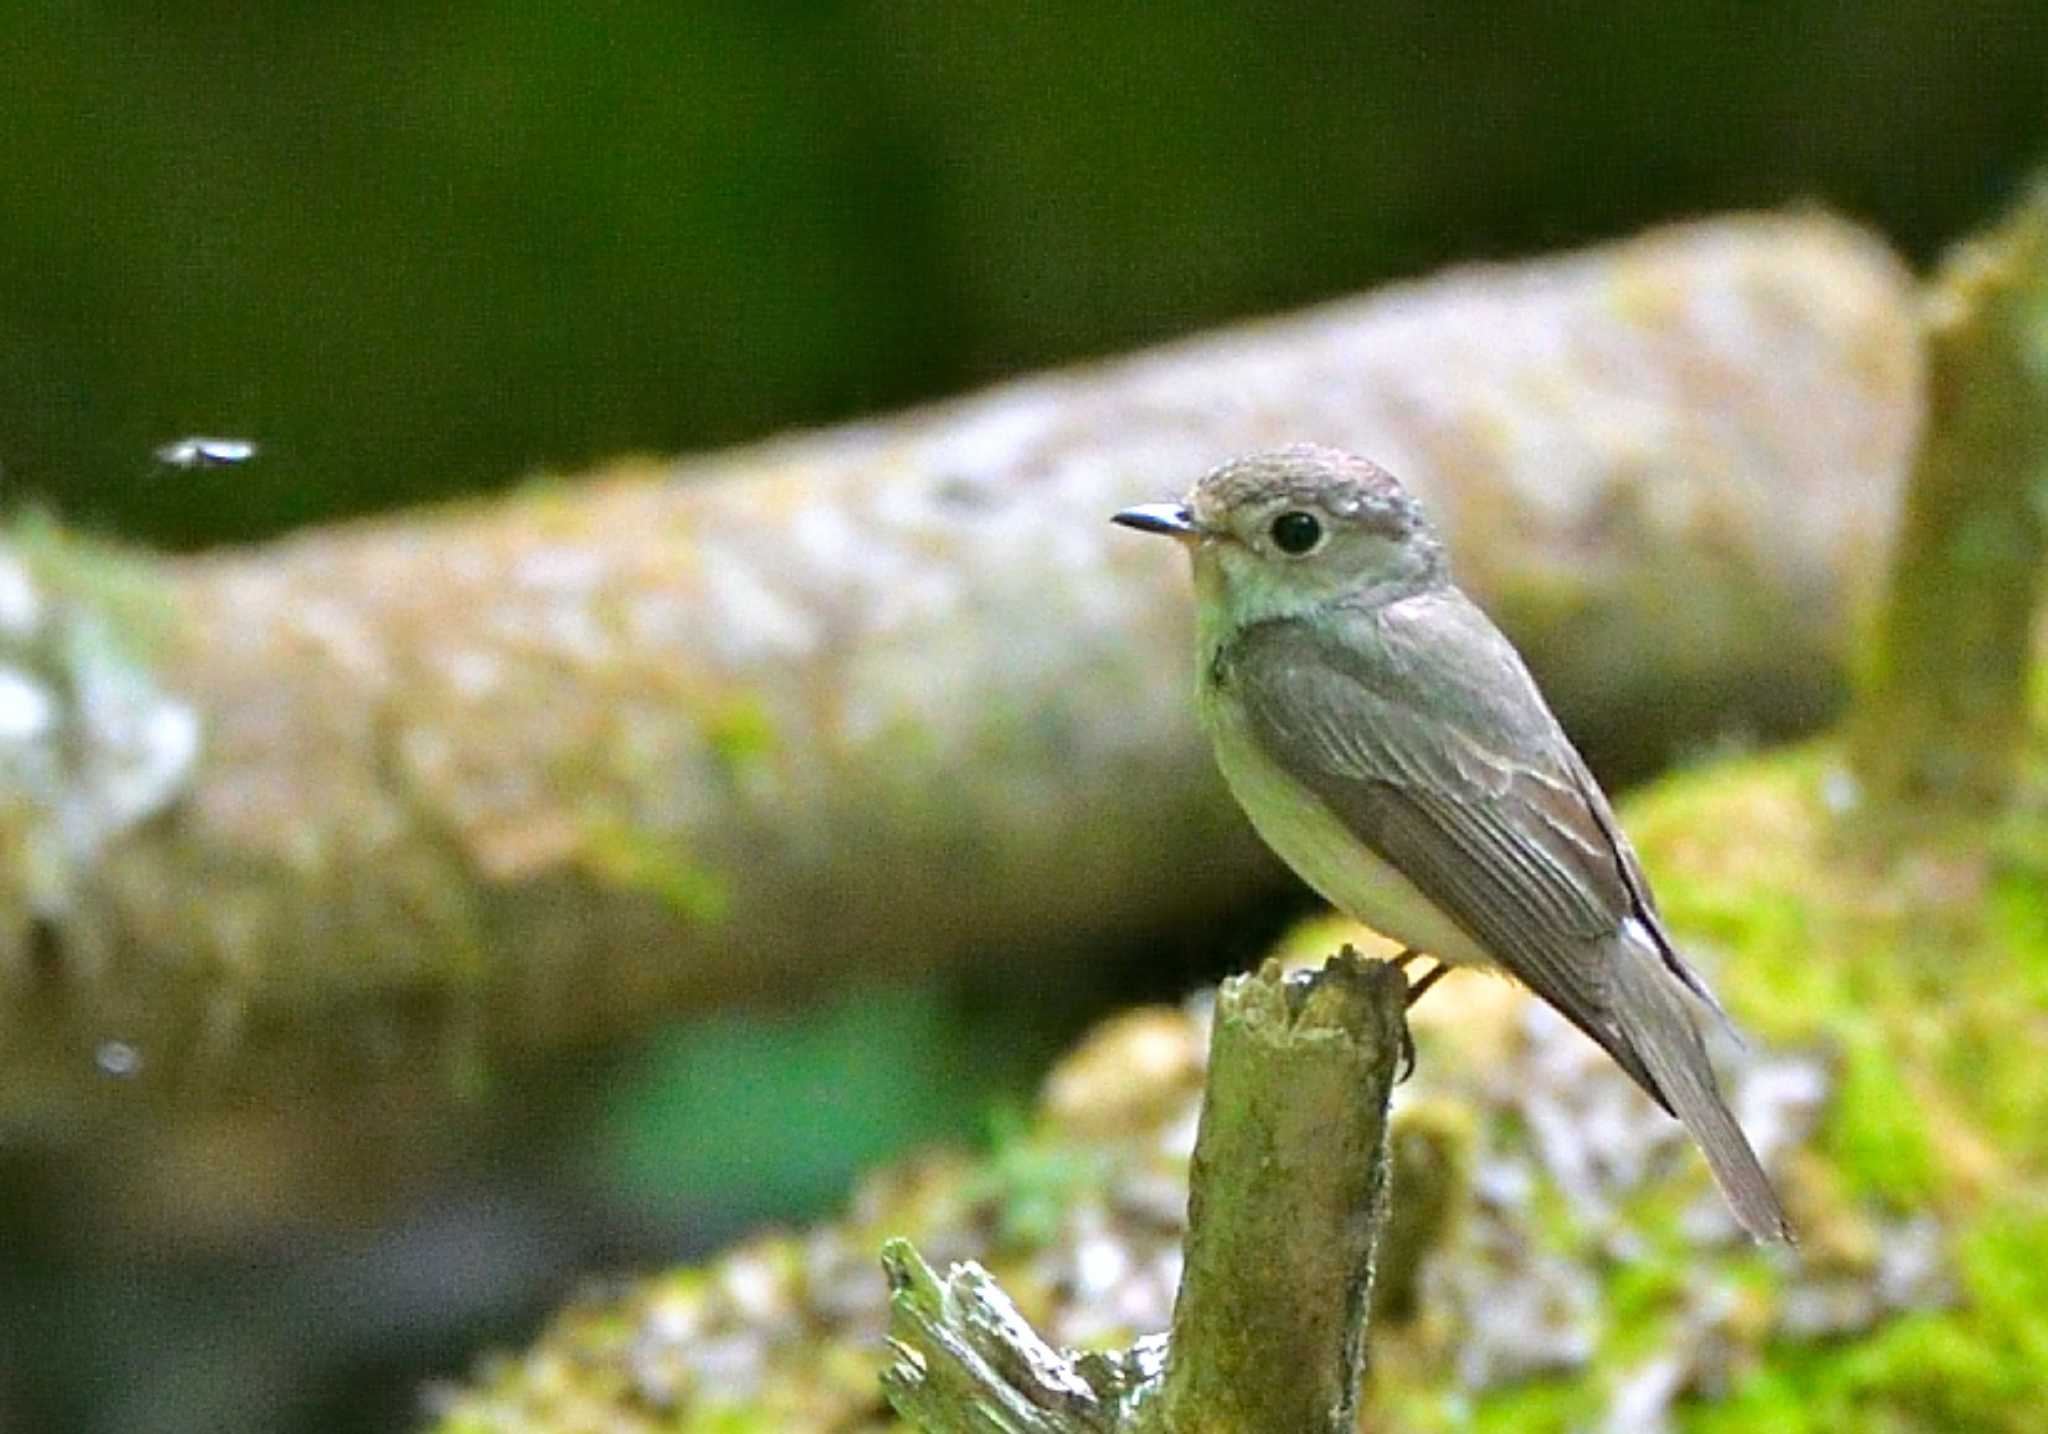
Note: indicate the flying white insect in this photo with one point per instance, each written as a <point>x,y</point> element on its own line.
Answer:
<point>198,452</point>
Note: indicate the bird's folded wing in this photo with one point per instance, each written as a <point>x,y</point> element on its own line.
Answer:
<point>1433,754</point>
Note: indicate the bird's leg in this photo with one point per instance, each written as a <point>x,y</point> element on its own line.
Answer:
<point>1415,993</point>
<point>1400,962</point>
<point>1418,989</point>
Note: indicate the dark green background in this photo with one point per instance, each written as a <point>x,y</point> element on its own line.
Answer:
<point>426,249</point>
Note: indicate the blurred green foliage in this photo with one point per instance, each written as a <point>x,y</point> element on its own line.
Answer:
<point>776,1114</point>
<point>426,250</point>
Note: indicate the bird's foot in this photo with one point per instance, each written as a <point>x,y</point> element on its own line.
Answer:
<point>1416,990</point>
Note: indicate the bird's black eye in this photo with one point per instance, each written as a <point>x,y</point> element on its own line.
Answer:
<point>1295,532</point>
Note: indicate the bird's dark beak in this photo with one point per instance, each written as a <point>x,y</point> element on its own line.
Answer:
<point>1172,519</point>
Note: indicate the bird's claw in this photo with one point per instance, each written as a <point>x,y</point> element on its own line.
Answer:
<point>1416,989</point>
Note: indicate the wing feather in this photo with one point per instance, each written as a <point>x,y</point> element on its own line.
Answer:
<point>1459,785</point>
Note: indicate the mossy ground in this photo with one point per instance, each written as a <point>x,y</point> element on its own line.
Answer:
<point>1915,957</point>
<point>1918,957</point>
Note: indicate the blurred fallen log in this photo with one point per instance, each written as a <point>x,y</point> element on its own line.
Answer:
<point>395,801</point>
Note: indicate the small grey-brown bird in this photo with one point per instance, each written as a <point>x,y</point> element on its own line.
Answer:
<point>1388,743</point>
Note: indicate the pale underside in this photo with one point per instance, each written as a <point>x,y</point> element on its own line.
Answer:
<point>1341,869</point>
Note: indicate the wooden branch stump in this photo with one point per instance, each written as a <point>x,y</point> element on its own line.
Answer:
<point>1287,1194</point>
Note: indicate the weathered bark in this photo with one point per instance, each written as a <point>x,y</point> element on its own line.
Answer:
<point>1944,714</point>
<point>963,1361</point>
<point>415,794</point>
<point>1286,1196</point>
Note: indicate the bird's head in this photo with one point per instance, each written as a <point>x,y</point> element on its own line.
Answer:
<point>1282,533</point>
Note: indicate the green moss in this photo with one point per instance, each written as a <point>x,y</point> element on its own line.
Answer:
<point>1639,1297</point>
<point>730,1421</point>
<point>741,735</point>
<point>1031,1183</point>
<point>1922,963</point>
<point>1543,1407</point>
<point>1951,1372</point>
<point>1875,1130</point>
<point>622,856</point>
<point>1549,1408</point>
<point>2017,910</point>
<point>1919,961</point>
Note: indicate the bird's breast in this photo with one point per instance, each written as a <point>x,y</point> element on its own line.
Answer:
<point>1319,848</point>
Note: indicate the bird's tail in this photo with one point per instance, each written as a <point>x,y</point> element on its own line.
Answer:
<point>1651,1010</point>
